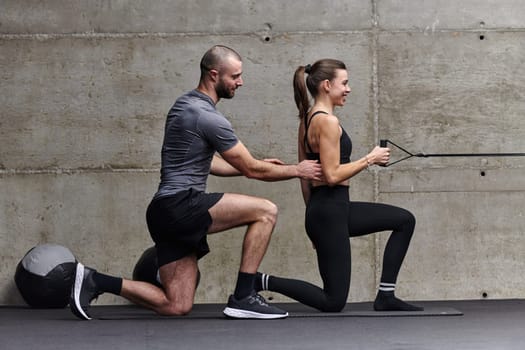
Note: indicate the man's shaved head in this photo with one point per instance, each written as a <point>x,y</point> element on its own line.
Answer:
<point>215,57</point>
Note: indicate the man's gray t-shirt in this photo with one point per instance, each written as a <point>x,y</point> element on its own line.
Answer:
<point>194,131</point>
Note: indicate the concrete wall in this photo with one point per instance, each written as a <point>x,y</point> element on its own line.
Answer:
<point>85,86</point>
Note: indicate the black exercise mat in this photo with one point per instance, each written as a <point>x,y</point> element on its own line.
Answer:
<point>210,311</point>
<point>366,310</point>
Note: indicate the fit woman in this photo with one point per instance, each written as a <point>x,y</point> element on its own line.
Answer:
<point>331,217</point>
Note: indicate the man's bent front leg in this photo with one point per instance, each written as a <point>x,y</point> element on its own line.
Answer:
<point>259,214</point>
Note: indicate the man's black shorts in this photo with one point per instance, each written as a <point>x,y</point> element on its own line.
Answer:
<point>178,224</point>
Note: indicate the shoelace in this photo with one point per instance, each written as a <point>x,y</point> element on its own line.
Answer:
<point>259,299</point>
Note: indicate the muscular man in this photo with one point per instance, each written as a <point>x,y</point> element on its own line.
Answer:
<point>181,213</point>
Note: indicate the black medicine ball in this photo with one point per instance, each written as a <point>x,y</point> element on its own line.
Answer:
<point>45,275</point>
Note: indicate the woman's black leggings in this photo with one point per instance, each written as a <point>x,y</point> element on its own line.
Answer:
<point>330,220</point>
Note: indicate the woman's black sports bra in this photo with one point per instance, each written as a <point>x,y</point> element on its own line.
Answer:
<point>345,143</point>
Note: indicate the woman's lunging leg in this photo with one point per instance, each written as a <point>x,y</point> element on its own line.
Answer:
<point>386,218</point>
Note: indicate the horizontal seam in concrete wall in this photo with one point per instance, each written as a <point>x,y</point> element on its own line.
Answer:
<point>9,172</point>
<point>453,30</point>
<point>452,191</point>
<point>47,36</point>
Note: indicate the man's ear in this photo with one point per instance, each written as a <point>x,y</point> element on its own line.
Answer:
<point>214,75</point>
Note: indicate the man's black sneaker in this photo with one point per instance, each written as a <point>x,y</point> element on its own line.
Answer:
<point>253,306</point>
<point>83,292</point>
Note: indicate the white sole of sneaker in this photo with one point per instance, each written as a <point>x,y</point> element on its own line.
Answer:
<point>79,278</point>
<point>238,313</point>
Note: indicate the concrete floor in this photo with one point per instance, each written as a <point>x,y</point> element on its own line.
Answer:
<point>484,324</point>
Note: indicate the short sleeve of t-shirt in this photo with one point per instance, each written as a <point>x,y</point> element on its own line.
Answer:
<point>217,130</point>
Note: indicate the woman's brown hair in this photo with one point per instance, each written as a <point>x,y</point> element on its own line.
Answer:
<point>321,70</point>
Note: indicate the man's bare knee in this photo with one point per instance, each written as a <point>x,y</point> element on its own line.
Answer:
<point>176,309</point>
<point>270,212</point>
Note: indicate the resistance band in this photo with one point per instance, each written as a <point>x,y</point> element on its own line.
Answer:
<point>384,143</point>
